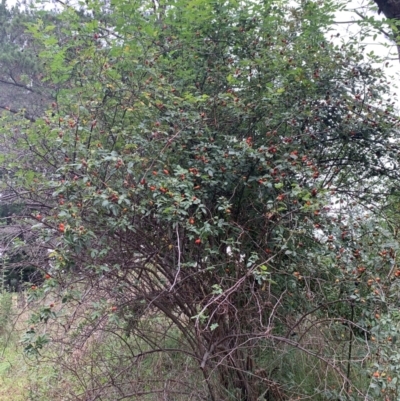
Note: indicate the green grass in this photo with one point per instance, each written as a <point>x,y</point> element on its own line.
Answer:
<point>76,373</point>
<point>14,374</point>
<point>14,377</point>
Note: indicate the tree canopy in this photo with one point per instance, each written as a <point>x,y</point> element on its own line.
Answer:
<point>214,182</point>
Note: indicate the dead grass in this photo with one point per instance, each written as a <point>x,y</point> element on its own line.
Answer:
<point>75,368</point>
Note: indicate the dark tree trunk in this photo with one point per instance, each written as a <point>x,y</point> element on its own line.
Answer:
<point>391,10</point>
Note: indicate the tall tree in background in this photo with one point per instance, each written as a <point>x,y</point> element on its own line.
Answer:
<point>21,84</point>
<point>391,10</point>
<point>23,92</point>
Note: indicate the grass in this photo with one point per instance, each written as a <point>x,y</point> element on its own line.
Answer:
<point>20,376</point>
<point>14,383</point>
<point>14,375</point>
<point>64,374</point>
<point>77,375</point>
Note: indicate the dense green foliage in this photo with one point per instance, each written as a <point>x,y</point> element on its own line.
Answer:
<point>213,183</point>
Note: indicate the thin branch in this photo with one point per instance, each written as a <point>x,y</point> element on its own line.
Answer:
<point>14,111</point>
<point>179,258</point>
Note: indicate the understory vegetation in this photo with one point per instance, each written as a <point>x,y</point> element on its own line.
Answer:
<point>202,205</point>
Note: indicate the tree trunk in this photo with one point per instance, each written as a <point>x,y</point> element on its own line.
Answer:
<point>391,10</point>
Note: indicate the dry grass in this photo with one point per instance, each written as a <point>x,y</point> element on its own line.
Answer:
<point>75,368</point>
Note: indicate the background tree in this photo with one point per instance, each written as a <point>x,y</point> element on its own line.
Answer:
<point>391,10</point>
<point>22,91</point>
<point>20,67</point>
<point>26,92</point>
